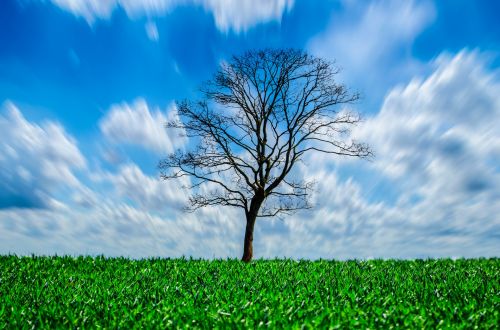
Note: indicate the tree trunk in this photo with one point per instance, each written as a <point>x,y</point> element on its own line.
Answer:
<point>251,216</point>
<point>248,245</point>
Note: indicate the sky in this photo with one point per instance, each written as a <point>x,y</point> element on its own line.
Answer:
<point>86,87</point>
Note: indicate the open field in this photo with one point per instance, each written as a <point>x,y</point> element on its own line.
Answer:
<point>101,292</point>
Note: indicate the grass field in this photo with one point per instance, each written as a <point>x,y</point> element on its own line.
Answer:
<point>179,293</point>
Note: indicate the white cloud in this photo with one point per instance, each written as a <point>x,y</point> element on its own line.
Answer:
<point>89,9</point>
<point>113,228</point>
<point>152,31</point>
<point>240,15</point>
<point>149,192</point>
<point>36,160</point>
<point>137,124</point>
<point>125,213</point>
<point>449,120</point>
<point>372,43</point>
<point>236,15</point>
<point>438,139</point>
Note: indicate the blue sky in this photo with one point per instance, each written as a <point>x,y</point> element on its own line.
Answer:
<point>85,87</point>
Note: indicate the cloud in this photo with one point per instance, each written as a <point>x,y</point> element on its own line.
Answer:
<point>373,43</point>
<point>240,15</point>
<point>114,228</point>
<point>89,9</point>
<point>152,31</point>
<point>148,192</point>
<point>121,213</point>
<point>438,140</point>
<point>235,15</point>
<point>111,229</point>
<point>447,123</point>
<point>137,124</point>
<point>36,160</point>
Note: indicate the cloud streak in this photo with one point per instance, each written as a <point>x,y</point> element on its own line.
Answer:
<point>36,161</point>
<point>373,43</point>
<point>148,192</point>
<point>229,15</point>
<point>137,124</point>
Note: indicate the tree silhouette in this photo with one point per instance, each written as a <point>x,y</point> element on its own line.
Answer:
<point>260,113</point>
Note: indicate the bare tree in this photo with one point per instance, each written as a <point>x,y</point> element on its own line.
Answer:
<point>259,115</point>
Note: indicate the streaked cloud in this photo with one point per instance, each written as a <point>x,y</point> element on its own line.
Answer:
<point>229,15</point>
<point>148,192</point>
<point>36,160</point>
<point>138,124</point>
<point>114,228</point>
<point>373,42</point>
<point>152,31</point>
<point>446,123</point>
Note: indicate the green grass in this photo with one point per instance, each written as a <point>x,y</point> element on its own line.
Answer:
<point>48,292</point>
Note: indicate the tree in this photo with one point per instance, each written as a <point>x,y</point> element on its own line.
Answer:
<point>259,115</point>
